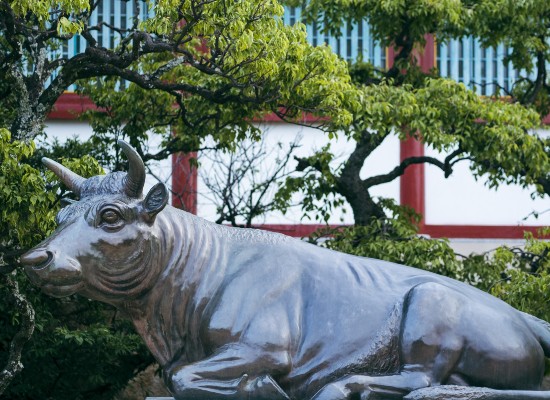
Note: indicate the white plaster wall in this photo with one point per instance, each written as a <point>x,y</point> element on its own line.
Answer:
<point>461,200</point>
<point>465,246</point>
<point>458,200</point>
<point>381,161</point>
<point>64,130</point>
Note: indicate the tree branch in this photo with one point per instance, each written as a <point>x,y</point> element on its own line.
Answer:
<point>545,183</point>
<point>367,143</point>
<point>446,166</point>
<point>13,365</point>
<point>531,96</point>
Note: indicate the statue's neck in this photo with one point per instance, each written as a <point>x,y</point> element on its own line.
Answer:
<point>169,316</point>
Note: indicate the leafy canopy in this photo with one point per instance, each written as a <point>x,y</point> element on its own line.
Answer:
<point>494,135</point>
<point>518,275</point>
<point>221,61</point>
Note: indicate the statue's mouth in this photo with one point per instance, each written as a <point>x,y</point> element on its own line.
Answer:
<point>61,290</point>
<point>54,278</point>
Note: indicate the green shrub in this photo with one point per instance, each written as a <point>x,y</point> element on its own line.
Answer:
<point>519,276</point>
<point>80,349</point>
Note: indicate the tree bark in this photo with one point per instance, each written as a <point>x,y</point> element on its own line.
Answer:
<point>13,365</point>
<point>355,190</point>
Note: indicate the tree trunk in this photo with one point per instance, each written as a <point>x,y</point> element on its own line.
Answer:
<point>22,306</point>
<point>353,188</point>
<point>31,111</point>
<point>364,208</point>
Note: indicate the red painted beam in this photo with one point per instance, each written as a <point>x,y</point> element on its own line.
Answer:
<point>427,59</point>
<point>478,231</point>
<point>412,186</point>
<point>434,231</point>
<point>412,183</point>
<point>184,182</point>
<point>297,230</point>
<point>69,106</point>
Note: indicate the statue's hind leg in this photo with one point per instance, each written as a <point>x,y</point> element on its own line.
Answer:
<point>401,387</point>
<point>429,346</point>
<point>446,338</point>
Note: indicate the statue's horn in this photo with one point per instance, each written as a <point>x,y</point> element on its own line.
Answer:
<point>69,178</point>
<point>135,178</point>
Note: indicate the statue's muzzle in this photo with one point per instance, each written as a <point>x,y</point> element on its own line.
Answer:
<point>56,274</point>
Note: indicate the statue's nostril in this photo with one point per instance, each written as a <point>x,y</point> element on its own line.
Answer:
<point>46,262</point>
<point>38,259</point>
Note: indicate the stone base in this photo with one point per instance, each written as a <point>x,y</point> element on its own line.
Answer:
<point>451,392</point>
<point>159,398</point>
<point>146,384</point>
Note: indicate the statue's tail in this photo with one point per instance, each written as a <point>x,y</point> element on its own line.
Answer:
<point>541,329</point>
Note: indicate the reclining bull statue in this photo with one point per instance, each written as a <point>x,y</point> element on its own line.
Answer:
<point>245,314</point>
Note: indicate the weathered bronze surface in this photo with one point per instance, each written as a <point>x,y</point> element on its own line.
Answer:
<point>237,313</point>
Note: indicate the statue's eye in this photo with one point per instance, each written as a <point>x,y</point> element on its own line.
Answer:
<point>110,216</point>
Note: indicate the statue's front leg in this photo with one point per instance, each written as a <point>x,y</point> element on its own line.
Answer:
<point>234,372</point>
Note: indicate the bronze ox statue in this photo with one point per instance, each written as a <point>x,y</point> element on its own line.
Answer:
<point>246,314</point>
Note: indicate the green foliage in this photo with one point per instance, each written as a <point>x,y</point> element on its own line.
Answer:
<point>116,116</point>
<point>43,10</point>
<point>492,134</point>
<point>519,276</point>
<point>521,25</point>
<point>222,62</point>
<point>249,36</point>
<point>27,214</point>
<point>9,98</point>
<point>80,349</point>
<point>69,151</point>
<point>395,238</point>
<point>245,65</point>
<point>316,186</point>
<point>526,292</point>
<point>391,21</point>
<point>525,283</point>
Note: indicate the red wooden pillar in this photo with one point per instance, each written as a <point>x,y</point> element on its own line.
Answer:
<point>412,182</point>
<point>184,170</point>
<point>184,182</point>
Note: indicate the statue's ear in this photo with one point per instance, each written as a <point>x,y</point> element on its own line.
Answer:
<point>155,200</point>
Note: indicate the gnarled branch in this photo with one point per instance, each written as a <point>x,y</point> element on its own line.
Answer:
<point>13,365</point>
